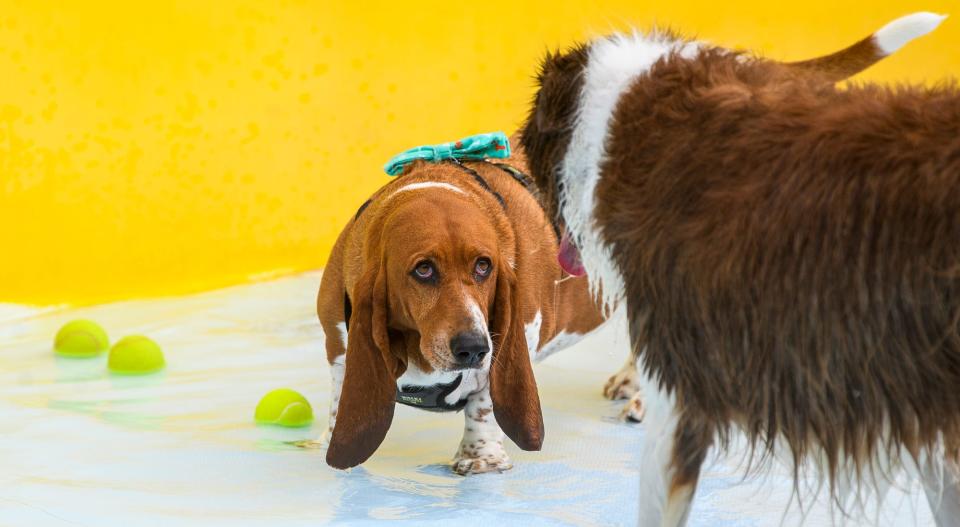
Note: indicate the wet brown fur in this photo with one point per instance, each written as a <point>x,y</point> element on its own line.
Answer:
<point>791,251</point>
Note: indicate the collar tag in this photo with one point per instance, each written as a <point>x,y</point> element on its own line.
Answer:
<point>432,398</point>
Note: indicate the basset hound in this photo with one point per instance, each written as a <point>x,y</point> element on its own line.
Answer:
<point>437,294</point>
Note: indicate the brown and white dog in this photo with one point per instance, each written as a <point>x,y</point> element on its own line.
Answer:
<point>437,295</point>
<point>788,251</point>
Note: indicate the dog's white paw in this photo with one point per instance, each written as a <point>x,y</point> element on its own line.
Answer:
<point>622,385</point>
<point>634,410</point>
<point>481,456</point>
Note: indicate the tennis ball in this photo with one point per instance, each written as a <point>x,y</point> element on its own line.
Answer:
<point>135,355</point>
<point>284,407</point>
<point>81,338</point>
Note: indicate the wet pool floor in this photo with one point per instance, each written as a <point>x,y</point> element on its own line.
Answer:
<point>81,447</point>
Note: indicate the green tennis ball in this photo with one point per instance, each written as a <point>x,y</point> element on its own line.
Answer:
<point>81,338</point>
<point>135,355</point>
<point>284,407</point>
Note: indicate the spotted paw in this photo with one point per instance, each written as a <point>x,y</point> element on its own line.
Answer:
<point>478,458</point>
<point>634,410</point>
<point>623,385</point>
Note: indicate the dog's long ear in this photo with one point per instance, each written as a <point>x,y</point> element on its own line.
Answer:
<point>852,60</point>
<point>516,404</point>
<point>369,388</point>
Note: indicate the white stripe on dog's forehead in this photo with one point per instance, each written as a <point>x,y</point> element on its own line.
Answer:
<point>428,184</point>
<point>612,65</point>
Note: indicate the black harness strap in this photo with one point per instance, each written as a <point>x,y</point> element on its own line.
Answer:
<point>362,208</point>
<point>521,178</point>
<point>527,183</point>
<point>482,182</point>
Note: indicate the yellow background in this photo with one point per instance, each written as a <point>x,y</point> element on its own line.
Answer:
<point>154,148</point>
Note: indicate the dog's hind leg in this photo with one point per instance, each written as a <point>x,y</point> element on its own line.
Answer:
<point>635,409</point>
<point>674,450</point>
<point>625,383</point>
<point>941,482</point>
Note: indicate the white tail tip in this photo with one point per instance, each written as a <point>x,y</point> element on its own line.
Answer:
<point>896,34</point>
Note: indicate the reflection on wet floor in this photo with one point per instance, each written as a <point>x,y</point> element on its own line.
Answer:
<point>81,447</point>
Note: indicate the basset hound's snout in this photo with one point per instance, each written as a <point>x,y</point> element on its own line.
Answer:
<point>469,349</point>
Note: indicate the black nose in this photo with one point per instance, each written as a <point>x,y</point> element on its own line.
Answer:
<point>469,349</point>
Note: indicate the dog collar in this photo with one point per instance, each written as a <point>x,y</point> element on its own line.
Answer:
<point>476,147</point>
<point>431,398</point>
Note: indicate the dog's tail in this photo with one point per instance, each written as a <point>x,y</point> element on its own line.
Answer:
<point>860,56</point>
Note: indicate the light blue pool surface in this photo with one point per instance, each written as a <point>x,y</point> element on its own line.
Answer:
<point>81,447</point>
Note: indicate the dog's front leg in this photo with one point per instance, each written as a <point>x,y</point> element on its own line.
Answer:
<point>336,385</point>
<point>481,449</point>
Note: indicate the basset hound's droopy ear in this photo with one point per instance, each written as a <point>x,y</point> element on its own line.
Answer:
<point>369,388</point>
<point>516,404</point>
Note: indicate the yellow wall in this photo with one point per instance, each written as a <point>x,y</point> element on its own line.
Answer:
<point>152,148</point>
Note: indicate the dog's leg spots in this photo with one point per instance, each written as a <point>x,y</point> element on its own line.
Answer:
<point>481,449</point>
<point>634,410</point>
<point>624,384</point>
<point>941,482</point>
<point>337,370</point>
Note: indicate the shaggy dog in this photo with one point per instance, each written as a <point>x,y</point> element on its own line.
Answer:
<point>789,252</point>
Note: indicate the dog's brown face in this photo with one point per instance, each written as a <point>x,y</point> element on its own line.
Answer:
<point>436,291</point>
<point>442,258</point>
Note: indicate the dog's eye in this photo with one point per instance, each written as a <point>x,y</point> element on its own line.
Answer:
<point>424,270</point>
<point>482,267</point>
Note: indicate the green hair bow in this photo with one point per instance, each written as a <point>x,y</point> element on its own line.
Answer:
<point>481,146</point>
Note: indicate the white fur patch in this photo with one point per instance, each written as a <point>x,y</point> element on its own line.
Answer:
<point>342,328</point>
<point>562,340</point>
<point>480,324</point>
<point>337,369</point>
<point>613,64</point>
<point>655,473</point>
<point>428,184</point>
<point>531,331</point>
<point>898,33</point>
